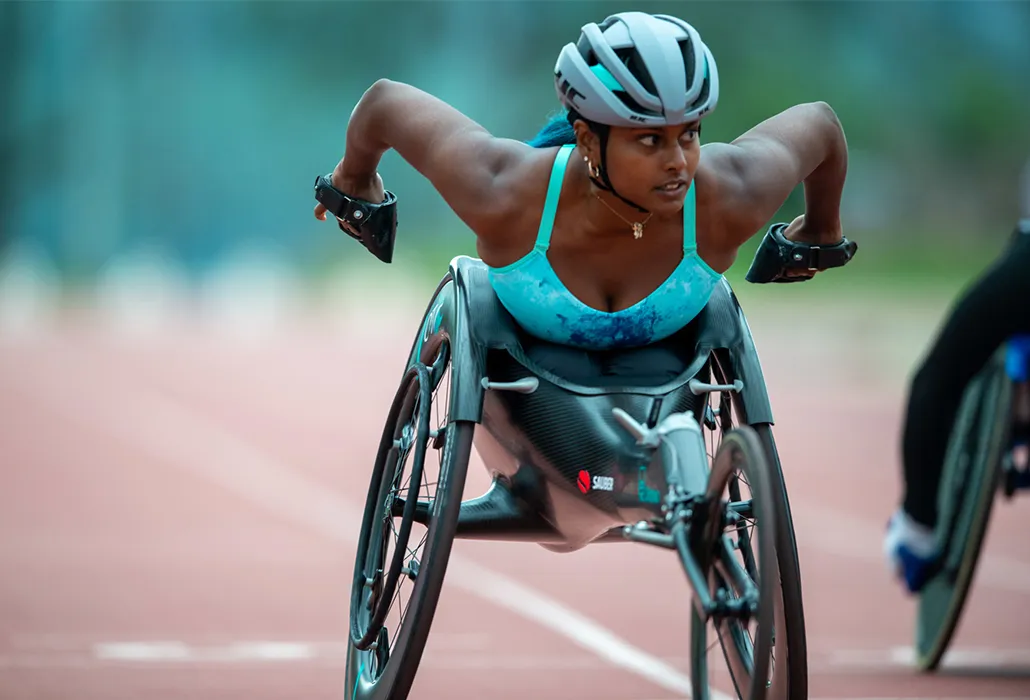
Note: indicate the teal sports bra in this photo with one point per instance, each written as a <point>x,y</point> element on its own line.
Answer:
<point>538,300</point>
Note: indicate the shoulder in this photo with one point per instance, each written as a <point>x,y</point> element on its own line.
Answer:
<point>519,207</point>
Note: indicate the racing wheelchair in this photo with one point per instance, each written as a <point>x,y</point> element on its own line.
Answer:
<point>987,454</point>
<point>668,445</point>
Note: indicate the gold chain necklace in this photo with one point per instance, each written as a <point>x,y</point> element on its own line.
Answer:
<point>638,227</point>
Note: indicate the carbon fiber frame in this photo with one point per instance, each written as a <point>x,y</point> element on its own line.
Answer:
<point>565,474</point>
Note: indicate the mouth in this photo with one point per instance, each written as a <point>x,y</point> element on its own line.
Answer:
<point>672,188</point>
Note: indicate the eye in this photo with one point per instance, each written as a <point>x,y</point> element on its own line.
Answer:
<point>649,140</point>
<point>690,135</point>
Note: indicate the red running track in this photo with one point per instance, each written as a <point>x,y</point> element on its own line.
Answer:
<point>177,514</point>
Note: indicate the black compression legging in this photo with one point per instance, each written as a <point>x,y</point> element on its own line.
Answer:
<point>995,307</point>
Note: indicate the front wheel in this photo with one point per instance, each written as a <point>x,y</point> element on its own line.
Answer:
<point>732,539</point>
<point>789,672</point>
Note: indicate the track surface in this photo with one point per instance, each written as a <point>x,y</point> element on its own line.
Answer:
<point>178,508</point>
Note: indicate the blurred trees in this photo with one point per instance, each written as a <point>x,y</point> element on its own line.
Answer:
<point>197,128</point>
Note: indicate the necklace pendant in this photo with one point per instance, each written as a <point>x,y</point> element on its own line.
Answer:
<point>638,230</point>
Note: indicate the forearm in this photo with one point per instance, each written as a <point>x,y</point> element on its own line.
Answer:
<point>824,186</point>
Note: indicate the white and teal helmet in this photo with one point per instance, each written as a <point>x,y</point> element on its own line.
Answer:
<point>636,69</point>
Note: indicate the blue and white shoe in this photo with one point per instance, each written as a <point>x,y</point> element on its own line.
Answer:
<point>911,549</point>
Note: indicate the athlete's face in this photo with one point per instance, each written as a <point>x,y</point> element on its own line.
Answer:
<point>652,167</point>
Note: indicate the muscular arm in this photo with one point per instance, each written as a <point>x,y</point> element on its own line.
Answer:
<point>471,169</point>
<point>759,170</point>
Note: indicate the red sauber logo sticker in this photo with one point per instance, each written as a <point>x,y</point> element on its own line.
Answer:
<point>596,483</point>
<point>583,481</point>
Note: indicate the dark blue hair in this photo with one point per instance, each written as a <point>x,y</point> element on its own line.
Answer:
<point>556,132</point>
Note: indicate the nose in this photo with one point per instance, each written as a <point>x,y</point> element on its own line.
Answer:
<point>676,159</point>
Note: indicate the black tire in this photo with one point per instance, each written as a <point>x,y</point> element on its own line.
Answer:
<point>387,669</point>
<point>371,603</point>
<point>740,456</point>
<point>791,644</point>
<point>969,481</point>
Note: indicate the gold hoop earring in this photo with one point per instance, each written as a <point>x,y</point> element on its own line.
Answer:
<point>595,172</point>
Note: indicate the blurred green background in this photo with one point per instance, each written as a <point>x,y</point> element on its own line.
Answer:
<point>185,137</point>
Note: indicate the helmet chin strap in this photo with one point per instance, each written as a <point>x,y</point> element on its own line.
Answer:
<point>605,183</point>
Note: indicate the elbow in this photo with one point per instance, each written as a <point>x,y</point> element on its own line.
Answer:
<point>383,84</point>
<point>832,129</point>
<point>377,92</point>
<point>383,94</point>
<point>825,111</point>
<point>369,121</point>
<point>822,114</point>
<point>832,144</point>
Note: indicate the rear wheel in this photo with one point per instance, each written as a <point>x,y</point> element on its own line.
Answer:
<point>394,552</point>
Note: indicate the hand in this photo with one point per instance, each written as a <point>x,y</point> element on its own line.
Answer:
<point>798,231</point>
<point>369,189</point>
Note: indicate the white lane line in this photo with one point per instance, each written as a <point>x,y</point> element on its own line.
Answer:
<point>186,440</point>
<point>445,651</point>
<point>441,646</point>
<point>278,652</point>
<point>153,654</point>
<point>446,642</point>
<point>180,651</point>
<point>905,656</point>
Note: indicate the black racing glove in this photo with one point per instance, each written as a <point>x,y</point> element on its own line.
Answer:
<point>776,256</point>
<point>376,224</point>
